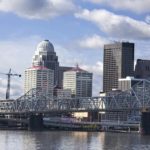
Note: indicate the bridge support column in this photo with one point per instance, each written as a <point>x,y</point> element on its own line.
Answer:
<point>93,116</point>
<point>145,123</point>
<point>35,122</point>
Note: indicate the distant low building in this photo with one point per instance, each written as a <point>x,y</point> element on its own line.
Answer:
<point>102,94</point>
<point>128,82</point>
<point>114,92</point>
<point>62,93</point>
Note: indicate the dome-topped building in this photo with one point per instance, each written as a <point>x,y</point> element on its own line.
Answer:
<point>45,55</point>
<point>45,46</point>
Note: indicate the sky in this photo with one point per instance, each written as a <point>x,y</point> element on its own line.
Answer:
<point>78,29</point>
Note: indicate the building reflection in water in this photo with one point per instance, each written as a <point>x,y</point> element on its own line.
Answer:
<point>67,140</point>
<point>124,141</point>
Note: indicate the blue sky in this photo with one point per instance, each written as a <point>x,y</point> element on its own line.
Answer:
<point>78,30</point>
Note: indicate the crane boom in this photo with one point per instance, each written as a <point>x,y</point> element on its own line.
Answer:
<point>9,74</point>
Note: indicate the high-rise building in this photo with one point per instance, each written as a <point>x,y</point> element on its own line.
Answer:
<point>61,71</point>
<point>118,63</point>
<point>142,69</point>
<point>39,77</point>
<point>46,56</point>
<point>79,81</point>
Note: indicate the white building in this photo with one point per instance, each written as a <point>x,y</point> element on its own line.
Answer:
<point>79,81</point>
<point>39,77</point>
<point>128,82</point>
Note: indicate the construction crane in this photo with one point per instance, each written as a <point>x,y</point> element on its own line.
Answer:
<point>9,74</point>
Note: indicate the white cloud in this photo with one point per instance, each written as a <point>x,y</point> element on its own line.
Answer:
<point>17,53</point>
<point>67,57</point>
<point>37,9</point>
<point>147,19</point>
<point>92,42</point>
<point>117,26</point>
<point>96,69</point>
<point>138,6</point>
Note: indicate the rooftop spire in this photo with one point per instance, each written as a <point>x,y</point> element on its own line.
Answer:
<point>77,65</point>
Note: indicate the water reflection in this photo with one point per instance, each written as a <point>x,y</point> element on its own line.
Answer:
<point>124,141</point>
<point>23,140</point>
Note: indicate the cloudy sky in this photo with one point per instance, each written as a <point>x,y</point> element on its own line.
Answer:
<point>78,30</point>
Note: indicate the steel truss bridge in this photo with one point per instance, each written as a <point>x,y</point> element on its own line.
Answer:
<point>36,101</point>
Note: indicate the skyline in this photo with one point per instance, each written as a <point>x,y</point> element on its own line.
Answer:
<point>78,31</point>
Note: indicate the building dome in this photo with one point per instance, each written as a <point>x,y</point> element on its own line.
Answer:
<point>45,46</point>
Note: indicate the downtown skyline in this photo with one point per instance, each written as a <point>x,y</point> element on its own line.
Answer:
<point>77,29</point>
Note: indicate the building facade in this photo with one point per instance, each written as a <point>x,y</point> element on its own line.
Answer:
<point>128,82</point>
<point>142,69</point>
<point>118,63</point>
<point>39,77</point>
<point>61,71</point>
<point>63,93</point>
<point>46,56</point>
<point>79,81</point>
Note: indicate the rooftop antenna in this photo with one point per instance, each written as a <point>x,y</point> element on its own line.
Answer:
<point>77,65</point>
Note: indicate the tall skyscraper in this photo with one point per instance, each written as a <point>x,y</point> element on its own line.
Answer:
<point>118,63</point>
<point>46,56</point>
<point>142,69</point>
<point>39,77</point>
<point>79,81</point>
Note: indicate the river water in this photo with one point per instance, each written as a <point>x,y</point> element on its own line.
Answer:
<point>63,140</point>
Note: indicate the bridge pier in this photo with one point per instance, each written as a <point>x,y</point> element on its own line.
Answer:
<point>94,116</point>
<point>145,123</point>
<point>35,122</point>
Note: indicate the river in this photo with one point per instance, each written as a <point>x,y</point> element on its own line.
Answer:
<point>63,140</point>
